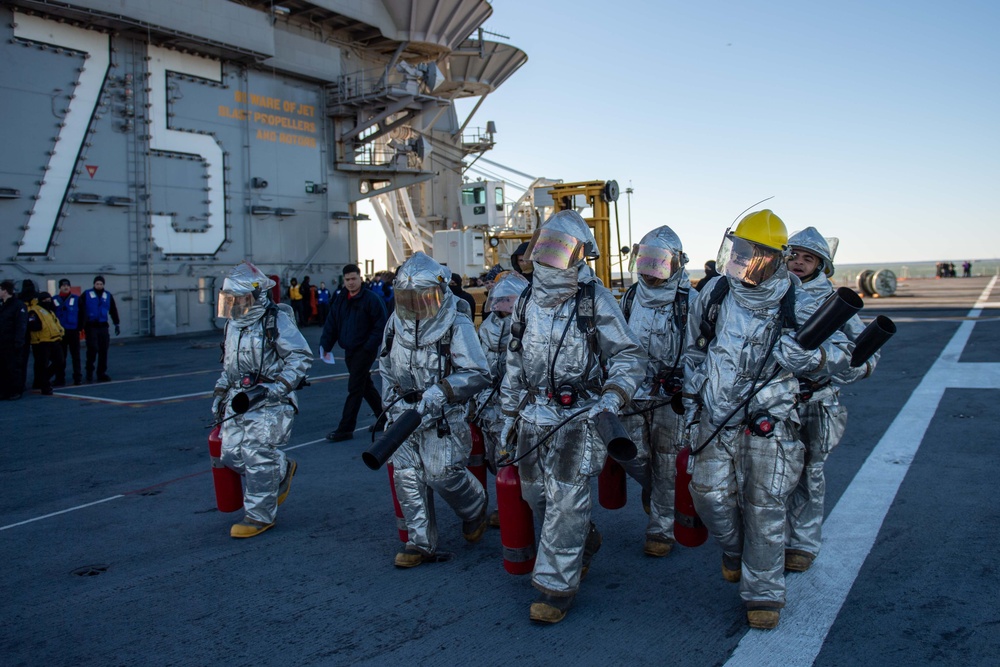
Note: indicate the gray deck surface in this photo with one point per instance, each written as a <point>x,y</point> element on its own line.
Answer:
<point>115,478</point>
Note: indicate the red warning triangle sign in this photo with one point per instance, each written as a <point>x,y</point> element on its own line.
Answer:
<point>91,169</point>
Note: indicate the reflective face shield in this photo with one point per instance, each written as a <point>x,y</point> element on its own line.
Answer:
<point>555,249</point>
<point>418,303</point>
<point>654,262</point>
<point>748,262</point>
<point>501,304</point>
<point>234,306</point>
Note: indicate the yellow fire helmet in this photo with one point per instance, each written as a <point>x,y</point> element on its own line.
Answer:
<point>763,227</point>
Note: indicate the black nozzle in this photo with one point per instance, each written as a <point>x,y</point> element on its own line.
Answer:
<point>839,307</point>
<point>871,339</point>
<point>390,440</point>
<point>245,401</point>
<point>614,436</point>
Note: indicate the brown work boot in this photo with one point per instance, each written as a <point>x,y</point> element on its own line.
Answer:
<point>763,619</point>
<point>410,557</point>
<point>286,481</point>
<point>732,569</point>
<point>550,608</point>
<point>797,560</point>
<point>473,530</point>
<point>248,528</point>
<point>657,546</point>
<point>494,520</point>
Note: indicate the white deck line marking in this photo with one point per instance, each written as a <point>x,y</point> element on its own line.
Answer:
<point>122,495</point>
<point>816,596</point>
<point>139,401</point>
<point>71,509</point>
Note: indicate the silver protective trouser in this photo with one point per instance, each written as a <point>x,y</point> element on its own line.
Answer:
<point>250,447</point>
<point>426,464</point>
<point>823,421</point>
<point>658,437</point>
<point>491,424</point>
<point>739,485</point>
<point>555,482</point>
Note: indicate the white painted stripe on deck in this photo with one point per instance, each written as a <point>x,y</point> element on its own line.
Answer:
<point>816,596</point>
<point>363,429</point>
<point>69,509</point>
<point>160,399</point>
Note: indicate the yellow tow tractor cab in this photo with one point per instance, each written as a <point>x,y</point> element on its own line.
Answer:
<point>593,200</point>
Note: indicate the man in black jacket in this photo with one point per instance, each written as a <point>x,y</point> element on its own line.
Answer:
<point>356,321</point>
<point>13,338</point>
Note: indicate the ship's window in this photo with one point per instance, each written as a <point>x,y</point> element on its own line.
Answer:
<point>472,196</point>
<point>498,195</point>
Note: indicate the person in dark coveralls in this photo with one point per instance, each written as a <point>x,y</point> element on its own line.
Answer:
<point>356,321</point>
<point>13,338</point>
<point>98,308</point>
<point>68,311</point>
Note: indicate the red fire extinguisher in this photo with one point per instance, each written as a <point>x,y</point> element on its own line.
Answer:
<point>404,535</point>
<point>517,523</point>
<point>688,527</point>
<point>477,458</point>
<point>612,489</point>
<point>228,485</point>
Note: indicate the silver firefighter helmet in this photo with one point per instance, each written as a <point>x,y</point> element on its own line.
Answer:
<point>563,241</point>
<point>658,256</point>
<point>811,240</point>
<point>244,287</point>
<point>419,287</point>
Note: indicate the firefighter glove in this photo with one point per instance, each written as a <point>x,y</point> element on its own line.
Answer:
<point>275,391</point>
<point>793,357</point>
<point>432,401</point>
<point>608,402</point>
<point>508,436</point>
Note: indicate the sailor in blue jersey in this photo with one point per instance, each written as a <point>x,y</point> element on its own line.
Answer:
<point>97,309</point>
<point>68,311</point>
<point>322,302</point>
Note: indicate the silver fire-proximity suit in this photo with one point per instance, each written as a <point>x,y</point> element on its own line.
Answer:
<point>741,481</point>
<point>494,336</point>
<point>280,360</point>
<point>553,355</point>
<point>430,349</point>
<point>821,416</point>
<point>657,315</point>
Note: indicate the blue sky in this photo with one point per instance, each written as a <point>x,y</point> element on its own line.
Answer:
<point>875,122</point>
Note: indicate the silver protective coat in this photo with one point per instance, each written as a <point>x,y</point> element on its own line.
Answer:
<point>494,336</point>
<point>823,420</point>
<point>427,462</point>
<point>555,477</point>
<point>250,442</point>
<point>657,431</point>
<point>740,482</point>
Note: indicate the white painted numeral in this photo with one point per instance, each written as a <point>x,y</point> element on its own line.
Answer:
<point>62,162</point>
<point>165,234</point>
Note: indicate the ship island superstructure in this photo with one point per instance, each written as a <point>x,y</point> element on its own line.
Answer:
<point>159,143</point>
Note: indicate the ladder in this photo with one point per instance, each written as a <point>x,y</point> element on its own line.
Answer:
<point>132,102</point>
